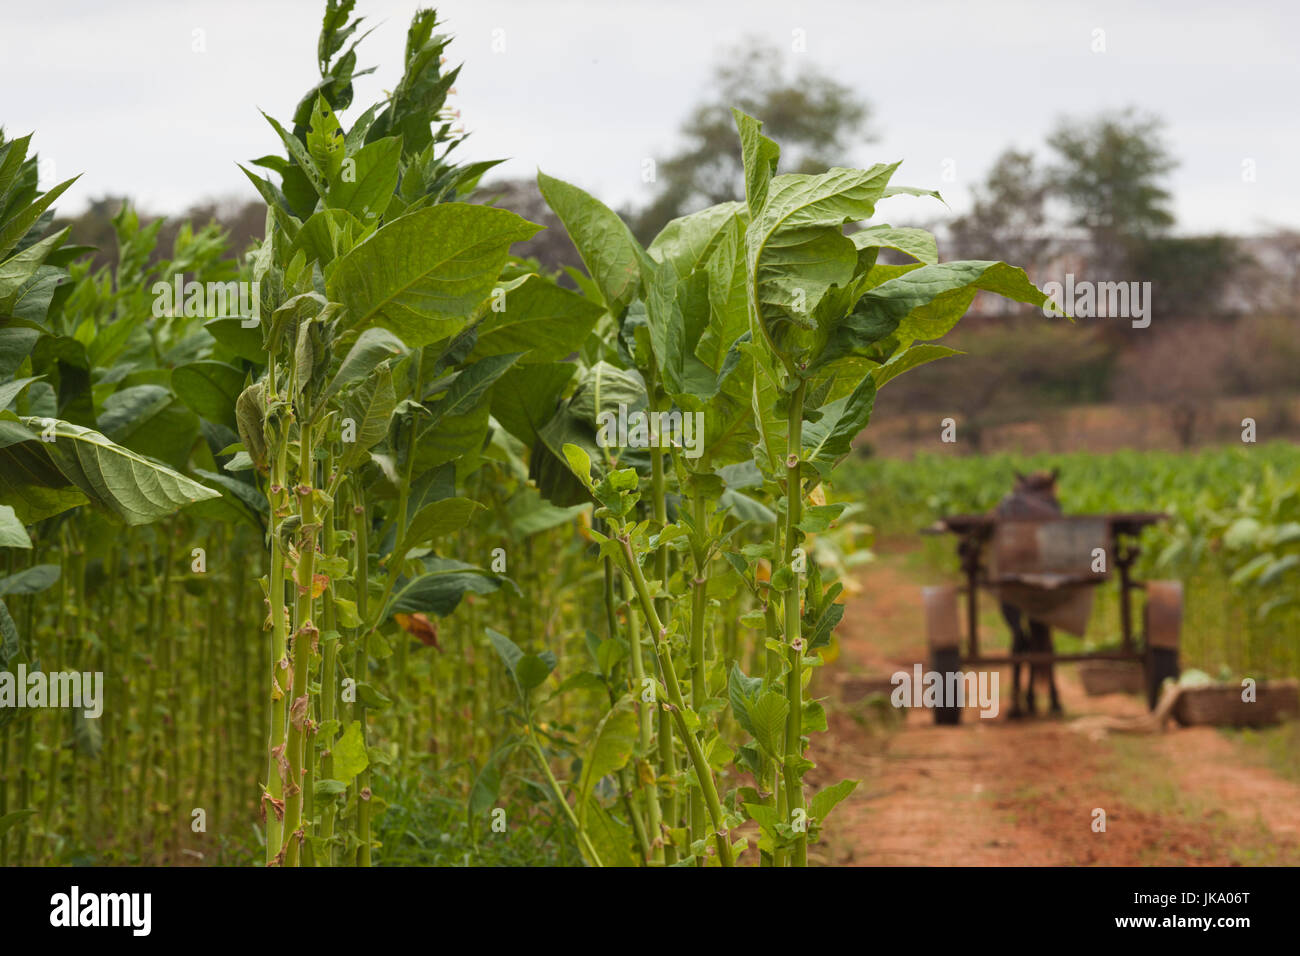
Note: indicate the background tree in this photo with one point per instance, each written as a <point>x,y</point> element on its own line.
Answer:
<point>1190,276</point>
<point>1008,216</point>
<point>1110,172</point>
<point>817,120</point>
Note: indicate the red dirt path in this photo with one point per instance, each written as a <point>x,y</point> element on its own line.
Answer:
<point>997,792</point>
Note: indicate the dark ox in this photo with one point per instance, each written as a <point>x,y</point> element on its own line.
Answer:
<point>1034,496</point>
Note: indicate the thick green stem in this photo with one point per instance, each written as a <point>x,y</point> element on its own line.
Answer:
<point>699,607</point>
<point>678,705</point>
<point>793,637</point>
<point>646,729</point>
<point>361,531</point>
<point>274,803</point>
<point>304,637</point>
<point>659,504</point>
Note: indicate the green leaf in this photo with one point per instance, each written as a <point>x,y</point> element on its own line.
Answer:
<point>527,397</point>
<point>830,438</point>
<point>209,389</point>
<point>370,408</point>
<point>579,463</point>
<point>371,347</point>
<point>506,649</point>
<point>436,520</point>
<point>9,651</point>
<point>12,532</point>
<point>373,173</point>
<point>14,819</point>
<point>470,385</point>
<point>11,390</point>
<point>328,788</point>
<point>927,302</point>
<point>825,800</point>
<point>611,746</point>
<point>30,482</point>
<point>532,669</point>
<point>537,318</point>
<point>131,486</point>
<point>796,248</point>
<point>16,343</point>
<point>759,156</point>
<point>247,495</point>
<point>422,275</point>
<point>349,753</point>
<point>325,139</point>
<point>767,716</point>
<point>21,221</point>
<point>326,235</point>
<point>917,243</point>
<point>149,419</point>
<point>243,341</point>
<point>33,580</point>
<point>18,269</point>
<point>613,840</point>
<point>439,589</point>
<point>689,241</point>
<point>742,691</point>
<point>612,256</point>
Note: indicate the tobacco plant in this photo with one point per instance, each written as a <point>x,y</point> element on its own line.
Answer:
<point>369,533</point>
<point>778,328</point>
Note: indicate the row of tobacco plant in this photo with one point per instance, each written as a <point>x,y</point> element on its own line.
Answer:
<point>381,531</point>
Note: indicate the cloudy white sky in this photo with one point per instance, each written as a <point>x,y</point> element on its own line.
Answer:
<point>586,89</point>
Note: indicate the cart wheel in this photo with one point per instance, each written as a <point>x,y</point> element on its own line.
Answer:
<point>1163,624</point>
<point>943,634</point>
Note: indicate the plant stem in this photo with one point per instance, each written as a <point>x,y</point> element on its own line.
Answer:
<point>794,640</point>
<point>678,704</point>
<point>304,637</point>
<point>279,647</point>
<point>361,529</point>
<point>699,607</point>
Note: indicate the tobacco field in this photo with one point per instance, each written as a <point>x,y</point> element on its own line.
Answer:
<point>392,547</point>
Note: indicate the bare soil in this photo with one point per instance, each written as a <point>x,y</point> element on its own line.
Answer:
<point>999,792</point>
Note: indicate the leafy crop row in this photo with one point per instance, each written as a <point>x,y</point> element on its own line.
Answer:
<point>409,441</point>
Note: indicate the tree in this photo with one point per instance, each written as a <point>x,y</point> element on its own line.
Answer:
<point>1189,276</point>
<point>1109,171</point>
<point>1008,217</point>
<point>816,119</point>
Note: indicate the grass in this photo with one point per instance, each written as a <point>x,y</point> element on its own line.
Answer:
<point>421,827</point>
<point>1274,748</point>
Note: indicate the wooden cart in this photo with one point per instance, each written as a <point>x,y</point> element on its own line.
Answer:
<point>1049,569</point>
